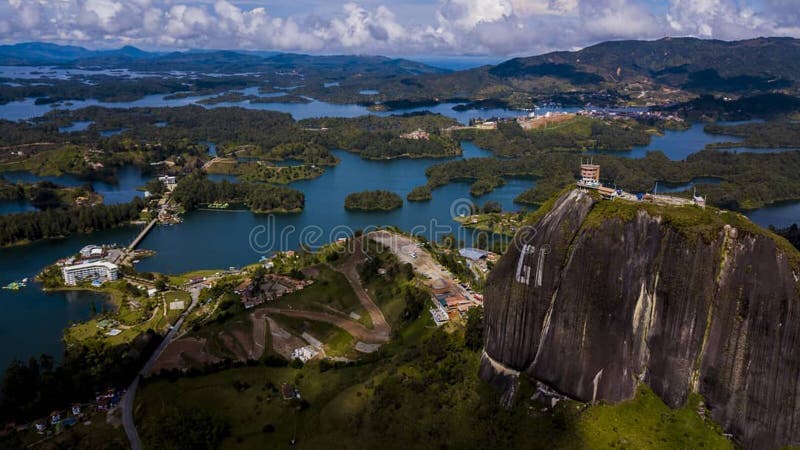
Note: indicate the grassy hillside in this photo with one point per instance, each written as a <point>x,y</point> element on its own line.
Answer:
<point>422,392</point>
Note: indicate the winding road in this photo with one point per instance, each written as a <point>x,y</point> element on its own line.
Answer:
<point>129,398</point>
<point>349,269</point>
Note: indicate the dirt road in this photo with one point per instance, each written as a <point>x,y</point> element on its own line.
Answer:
<point>354,328</point>
<point>380,327</point>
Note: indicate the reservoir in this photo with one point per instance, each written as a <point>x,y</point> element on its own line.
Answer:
<point>33,320</point>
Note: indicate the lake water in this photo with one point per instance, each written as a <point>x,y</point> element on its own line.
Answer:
<point>780,215</point>
<point>665,188</point>
<point>15,206</point>
<point>28,109</point>
<point>76,126</point>
<point>227,234</point>
<point>676,145</point>
<point>34,320</point>
<point>129,178</point>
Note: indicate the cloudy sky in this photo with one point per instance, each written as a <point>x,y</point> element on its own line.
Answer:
<point>391,27</point>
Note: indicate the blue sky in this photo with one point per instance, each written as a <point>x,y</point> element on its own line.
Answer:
<point>398,27</point>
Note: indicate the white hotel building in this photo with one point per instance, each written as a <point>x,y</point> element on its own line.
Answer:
<point>97,270</point>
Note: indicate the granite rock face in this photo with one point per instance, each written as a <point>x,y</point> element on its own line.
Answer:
<point>593,305</point>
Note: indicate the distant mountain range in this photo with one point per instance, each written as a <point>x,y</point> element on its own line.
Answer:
<point>765,63</point>
<point>618,72</point>
<point>38,54</point>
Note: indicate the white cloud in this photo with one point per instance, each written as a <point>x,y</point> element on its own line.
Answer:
<point>380,26</point>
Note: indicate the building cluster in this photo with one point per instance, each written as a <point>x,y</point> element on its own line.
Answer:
<point>57,421</point>
<point>533,120</point>
<point>478,259</point>
<point>450,302</point>
<point>93,263</point>
<point>272,287</point>
<point>590,179</point>
<point>418,135</point>
<point>630,114</point>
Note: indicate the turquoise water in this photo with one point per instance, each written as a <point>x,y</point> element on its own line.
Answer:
<point>34,320</point>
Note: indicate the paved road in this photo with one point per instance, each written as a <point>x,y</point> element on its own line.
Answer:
<point>130,395</point>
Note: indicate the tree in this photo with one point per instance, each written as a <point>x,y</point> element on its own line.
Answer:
<point>473,333</point>
<point>161,283</point>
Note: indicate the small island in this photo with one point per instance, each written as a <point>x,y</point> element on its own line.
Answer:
<point>373,201</point>
<point>420,194</point>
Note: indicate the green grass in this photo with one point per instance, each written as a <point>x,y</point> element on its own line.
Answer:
<point>183,278</point>
<point>97,435</point>
<point>213,334</point>
<point>56,161</point>
<point>646,422</point>
<point>422,393</point>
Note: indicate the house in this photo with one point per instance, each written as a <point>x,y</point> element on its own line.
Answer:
<point>288,391</point>
<point>244,287</point>
<point>440,316</point>
<point>55,418</point>
<point>40,427</point>
<point>76,410</point>
<point>305,353</point>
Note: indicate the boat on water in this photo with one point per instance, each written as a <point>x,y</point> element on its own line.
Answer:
<point>14,286</point>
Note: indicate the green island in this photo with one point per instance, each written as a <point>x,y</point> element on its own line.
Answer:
<point>420,194</point>
<point>196,190</point>
<point>27,227</point>
<point>47,195</point>
<point>564,133</point>
<point>258,171</point>
<point>771,134</point>
<point>373,201</point>
<point>750,180</point>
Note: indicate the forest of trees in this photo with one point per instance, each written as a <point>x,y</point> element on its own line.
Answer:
<point>373,201</point>
<point>196,190</point>
<point>772,134</point>
<point>750,180</point>
<point>578,134</point>
<point>36,388</point>
<point>375,137</point>
<point>58,222</point>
